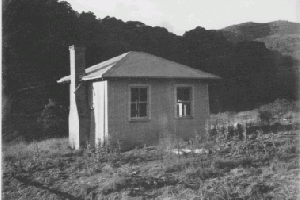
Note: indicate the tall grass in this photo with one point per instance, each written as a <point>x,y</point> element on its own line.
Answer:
<point>213,165</point>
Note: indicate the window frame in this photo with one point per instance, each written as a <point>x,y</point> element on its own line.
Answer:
<point>191,87</point>
<point>140,119</point>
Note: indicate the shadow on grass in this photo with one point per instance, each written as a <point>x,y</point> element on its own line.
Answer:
<point>231,164</point>
<point>28,182</point>
<point>139,185</point>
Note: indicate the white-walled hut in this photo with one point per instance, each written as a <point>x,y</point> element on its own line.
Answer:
<point>134,98</point>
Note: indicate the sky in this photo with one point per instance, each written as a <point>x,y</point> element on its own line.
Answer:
<point>179,16</point>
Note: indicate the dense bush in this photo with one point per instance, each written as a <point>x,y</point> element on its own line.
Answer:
<point>276,111</point>
<point>36,36</point>
<point>53,120</point>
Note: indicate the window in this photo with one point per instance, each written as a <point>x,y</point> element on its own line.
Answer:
<point>139,105</point>
<point>184,101</point>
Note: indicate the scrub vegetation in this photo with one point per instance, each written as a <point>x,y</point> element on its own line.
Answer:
<point>223,163</point>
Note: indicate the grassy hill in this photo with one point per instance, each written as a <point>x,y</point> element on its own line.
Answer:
<point>287,44</point>
<point>250,31</point>
<point>281,36</point>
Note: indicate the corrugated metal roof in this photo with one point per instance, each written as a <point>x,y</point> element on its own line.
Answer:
<point>143,65</point>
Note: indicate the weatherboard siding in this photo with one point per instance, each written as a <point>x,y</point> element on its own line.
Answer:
<point>162,120</point>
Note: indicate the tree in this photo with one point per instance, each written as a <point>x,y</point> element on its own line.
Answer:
<point>53,120</point>
<point>37,33</point>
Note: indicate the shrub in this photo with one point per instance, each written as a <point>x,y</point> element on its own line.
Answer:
<point>276,110</point>
<point>53,120</point>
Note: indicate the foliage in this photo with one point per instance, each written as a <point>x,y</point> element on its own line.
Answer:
<point>224,168</point>
<point>276,110</point>
<point>36,36</point>
<point>265,116</point>
<point>53,119</point>
<point>48,169</point>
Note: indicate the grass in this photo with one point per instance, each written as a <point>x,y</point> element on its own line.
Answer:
<point>263,167</point>
<point>50,170</point>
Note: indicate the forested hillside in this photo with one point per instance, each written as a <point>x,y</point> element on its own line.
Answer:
<point>37,33</point>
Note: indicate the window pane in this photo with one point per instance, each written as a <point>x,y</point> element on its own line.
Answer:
<point>186,94</point>
<point>183,94</point>
<point>179,109</point>
<point>142,109</point>
<point>143,94</point>
<point>183,109</point>
<point>134,110</point>
<point>187,109</point>
<point>139,98</point>
<point>179,94</point>
<point>134,94</point>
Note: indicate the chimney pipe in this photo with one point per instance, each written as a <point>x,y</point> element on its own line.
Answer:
<point>78,114</point>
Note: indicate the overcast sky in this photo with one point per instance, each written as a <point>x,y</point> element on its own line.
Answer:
<point>179,16</point>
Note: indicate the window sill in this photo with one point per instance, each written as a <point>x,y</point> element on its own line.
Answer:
<point>136,120</point>
<point>184,117</point>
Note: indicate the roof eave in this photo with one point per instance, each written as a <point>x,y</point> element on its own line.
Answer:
<point>162,77</point>
<point>66,79</point>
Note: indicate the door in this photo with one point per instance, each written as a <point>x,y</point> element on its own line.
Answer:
<point>100,112</point>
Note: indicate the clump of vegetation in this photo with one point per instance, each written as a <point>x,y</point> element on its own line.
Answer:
<point>149,173</point>
<point>53,120</point>
<point>279,110</point>
<point>209,166</point>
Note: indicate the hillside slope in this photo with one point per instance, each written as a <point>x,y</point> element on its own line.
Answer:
<point>287,44</point>
<point>250,31</point>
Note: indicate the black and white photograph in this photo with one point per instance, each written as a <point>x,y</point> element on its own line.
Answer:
<point>150,99</point>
